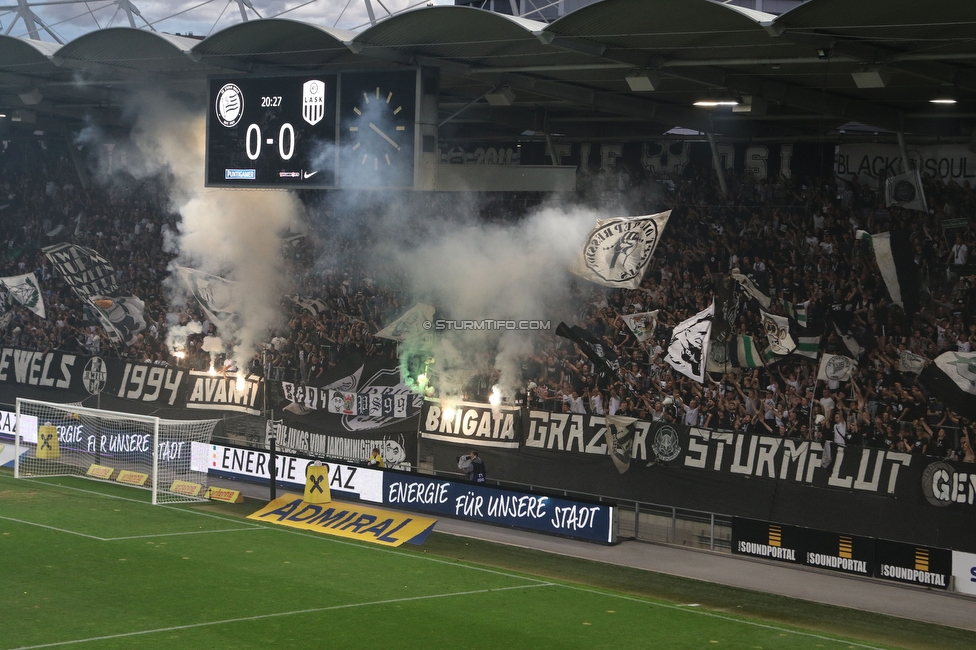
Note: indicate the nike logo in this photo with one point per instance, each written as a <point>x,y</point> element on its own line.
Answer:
<point>309,174</point>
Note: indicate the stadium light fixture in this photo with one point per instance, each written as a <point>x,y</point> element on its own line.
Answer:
<point>502,97</point>
<point>750,104</point>
<point>643,82</point>
<point>712,103</point>
<point>944,96</point>
<point>871,78</point>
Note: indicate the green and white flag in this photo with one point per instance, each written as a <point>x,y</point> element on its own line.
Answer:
<point>745,354</point>
<point>807,346</point>
<point>25,290</point>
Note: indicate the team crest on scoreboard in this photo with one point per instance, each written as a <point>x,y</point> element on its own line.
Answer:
<point>230,105</point>
<point>313,101</point>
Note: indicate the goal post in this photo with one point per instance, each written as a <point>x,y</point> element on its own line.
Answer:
<point>53,439</point>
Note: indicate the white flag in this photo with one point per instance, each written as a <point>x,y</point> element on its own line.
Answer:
<point>215,295</point>
<point>910,362</point>
<point>314,306</point>
<point>642,325</point>
<point>688,350</point>
<point>25,290</point>
<point>836,367</point>
<point>905,191</point>
<point>618,251</point>
<point>417,321</point>
<point>777,330</point>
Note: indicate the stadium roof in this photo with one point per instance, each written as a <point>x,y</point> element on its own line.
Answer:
<point>800,75</point>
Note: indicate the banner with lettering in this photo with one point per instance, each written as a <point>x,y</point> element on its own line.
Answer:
<point>868,161</point>
<point>468,423</point>
<point>76,376</point>
<point>397,445</point>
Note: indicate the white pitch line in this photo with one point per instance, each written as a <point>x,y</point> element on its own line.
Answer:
<point>60,530</point>
<point>257,617</point>
<point>705,612</point>
<point>145,503</point>
<point>191,532</point>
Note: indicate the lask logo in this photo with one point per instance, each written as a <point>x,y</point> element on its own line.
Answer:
<point>313,101</point>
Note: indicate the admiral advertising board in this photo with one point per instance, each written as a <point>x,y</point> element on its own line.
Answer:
<point>253,465</point>
<point>539,513</point>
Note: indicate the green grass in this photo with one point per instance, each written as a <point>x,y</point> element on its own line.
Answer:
<point>89,565</point>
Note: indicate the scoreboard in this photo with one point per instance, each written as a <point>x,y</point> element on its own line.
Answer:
<point>324,131</point>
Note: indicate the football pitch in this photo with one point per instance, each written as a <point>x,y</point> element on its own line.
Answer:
<point>93,565</point>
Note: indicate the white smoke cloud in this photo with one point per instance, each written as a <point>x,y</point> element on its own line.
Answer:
<point>473,271</point>
<point>235,234</point>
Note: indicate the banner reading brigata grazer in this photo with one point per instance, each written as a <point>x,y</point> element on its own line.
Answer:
<point>470,424</point>
<point>591,522</point>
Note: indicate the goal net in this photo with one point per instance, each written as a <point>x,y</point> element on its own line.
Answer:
<point>139,450</point>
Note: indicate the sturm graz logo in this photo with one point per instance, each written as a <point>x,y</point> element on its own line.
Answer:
<point>94,376</point>
<point>619,251</point>
<point>666,444</point>
<point>904,192</point>
<point>230,105</point>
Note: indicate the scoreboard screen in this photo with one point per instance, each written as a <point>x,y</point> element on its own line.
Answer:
<point>347,130</point>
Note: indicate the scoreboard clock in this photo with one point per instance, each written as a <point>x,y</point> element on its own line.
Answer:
<point>377,126</point>
<point>347,130</point>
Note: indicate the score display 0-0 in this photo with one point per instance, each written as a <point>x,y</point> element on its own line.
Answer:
<point>287,131</point>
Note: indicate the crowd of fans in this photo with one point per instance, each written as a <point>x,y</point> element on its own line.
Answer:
<point>794,239</point>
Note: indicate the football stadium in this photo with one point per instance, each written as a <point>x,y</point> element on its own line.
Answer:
<point>487,323</point>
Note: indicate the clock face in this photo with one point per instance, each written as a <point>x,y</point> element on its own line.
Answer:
<point>379,132</point>
<point>377,129</point>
